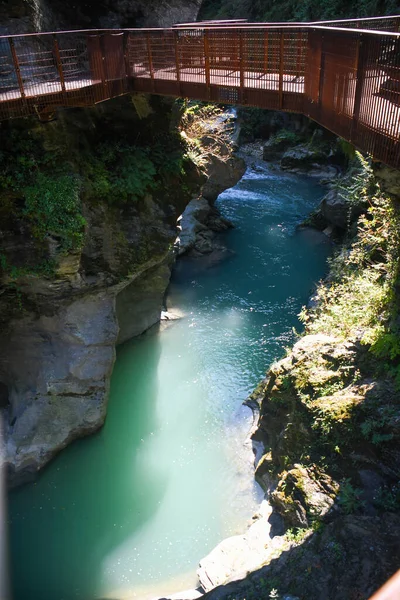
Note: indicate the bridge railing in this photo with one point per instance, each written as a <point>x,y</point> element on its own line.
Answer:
<point>346,79</point>
<point>258,66</point>
<point>387,23</point>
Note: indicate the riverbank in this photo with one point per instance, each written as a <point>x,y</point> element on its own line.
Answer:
<point>139,490</point>
<point>329,422</point>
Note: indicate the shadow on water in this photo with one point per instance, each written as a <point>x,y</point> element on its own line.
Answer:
<point>94,519</point>
<point>135,506</point>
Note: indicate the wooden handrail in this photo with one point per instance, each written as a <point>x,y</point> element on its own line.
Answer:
<point>346,79</point>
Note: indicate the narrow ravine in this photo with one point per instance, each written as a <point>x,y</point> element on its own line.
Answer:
<point>129,512</point>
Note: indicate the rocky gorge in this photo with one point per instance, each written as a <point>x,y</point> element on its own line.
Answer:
<point>326,438</point>
<point>77,282</point>
<point>62,329</point>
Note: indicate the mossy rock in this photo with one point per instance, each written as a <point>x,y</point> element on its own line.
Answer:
<point>303,495</point>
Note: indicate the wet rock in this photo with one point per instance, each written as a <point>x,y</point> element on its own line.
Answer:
<point>237,555</point>
<point>139,304</point>
<point>335,210</point>
<point>311,161</point>
<point>276,146</point>
<point>389,178</point>
<point>223,173</point>
<point>191,223</point>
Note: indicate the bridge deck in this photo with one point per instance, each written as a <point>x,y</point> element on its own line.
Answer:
<point>346,79</point>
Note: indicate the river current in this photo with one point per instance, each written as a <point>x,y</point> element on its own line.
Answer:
<point>128,512</point>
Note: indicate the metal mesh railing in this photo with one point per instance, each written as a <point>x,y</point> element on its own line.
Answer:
<point>346,79</point>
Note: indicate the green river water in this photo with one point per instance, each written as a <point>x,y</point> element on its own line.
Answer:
<point>128,512</point>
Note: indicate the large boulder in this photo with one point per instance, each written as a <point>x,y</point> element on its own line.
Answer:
<point>336,210</point>
<point>191,222</point>
<point>223,173</point>
<point>277,145</point>
<point>310,160</point>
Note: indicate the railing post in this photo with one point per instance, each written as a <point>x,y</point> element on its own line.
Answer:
<point>281,42</point>
<point>16,67</point>
<point>266,52</point>
<point>59,63</point>
<point>207,63</point>
<point>359,86</point>
<point>241,66</point>
<point>177,61</point>
<point>126,59</point>
<point>150,58</point>
<point>321,73</point>
<point>103,72</point>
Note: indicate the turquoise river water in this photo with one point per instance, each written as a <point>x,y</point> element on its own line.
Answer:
<point>128,512</point>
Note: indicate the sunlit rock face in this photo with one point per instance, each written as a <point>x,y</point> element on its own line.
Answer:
<point>20,16</point>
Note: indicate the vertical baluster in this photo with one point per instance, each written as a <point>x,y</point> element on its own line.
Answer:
<point>241,66</point>
<point>177,61</point>
<point>59,63</point>
<point>359,88</point>
<point>281,43</point>
<point>266,55</point>
<point>207,63</point>
<point>126,60</point>
<point>103,66</point>
<point>150,59</point>
<point>16,67</point>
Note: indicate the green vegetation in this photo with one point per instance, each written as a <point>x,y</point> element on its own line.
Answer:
<point>297,534</point>
<point>358,300</point>
<point>332,406</point>
<point>52,205</point>
<point>349,497</point>
<point>49,173</point>
<point>201,133</point>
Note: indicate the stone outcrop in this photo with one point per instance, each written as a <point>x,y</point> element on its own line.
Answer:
<point>201,221</point>
<point>139,304</point>
<point>223,172</point>
<point>303,495</point>
<point>234,557</point>
<point>198,226</point>
<point>348,558</point>
<point>22,16</point>
<point>57,369</point>
<point>59,331</point>
<point>311,161</point>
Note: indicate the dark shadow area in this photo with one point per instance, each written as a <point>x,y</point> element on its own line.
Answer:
<point>348,559</point>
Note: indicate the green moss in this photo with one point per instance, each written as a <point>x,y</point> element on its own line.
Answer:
<point>52,206</point>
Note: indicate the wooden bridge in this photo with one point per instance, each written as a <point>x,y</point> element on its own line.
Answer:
<point>343,74</point>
